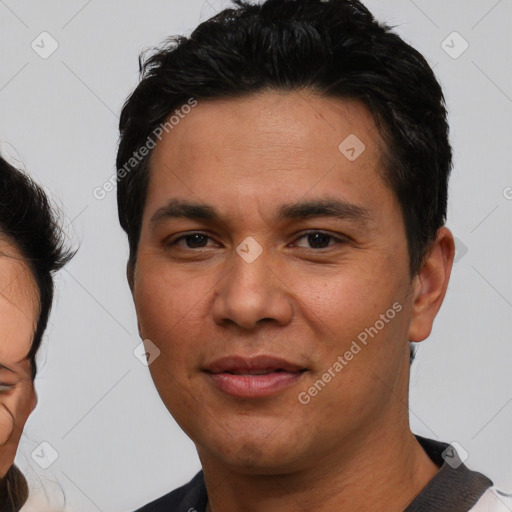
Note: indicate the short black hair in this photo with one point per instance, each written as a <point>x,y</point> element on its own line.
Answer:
<point>335,48</point>
<point>28,221</point>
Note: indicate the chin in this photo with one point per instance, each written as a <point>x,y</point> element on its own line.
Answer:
<point>252,453</point>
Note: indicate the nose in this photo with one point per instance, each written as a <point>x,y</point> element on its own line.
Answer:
<point>251,293</point>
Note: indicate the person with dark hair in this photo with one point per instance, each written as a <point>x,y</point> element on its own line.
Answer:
<point>282,179</point>
<point>31,250</point>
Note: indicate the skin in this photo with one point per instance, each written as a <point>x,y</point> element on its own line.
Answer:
<point>19,310</point>
<point>350,447</point>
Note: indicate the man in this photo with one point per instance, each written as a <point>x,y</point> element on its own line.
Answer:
<point>31,250</point>
<point>282,179</point>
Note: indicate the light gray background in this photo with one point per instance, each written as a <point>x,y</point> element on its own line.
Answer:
<point>117,445</point>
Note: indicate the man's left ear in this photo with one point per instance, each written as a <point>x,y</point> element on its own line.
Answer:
<point>430,284</point>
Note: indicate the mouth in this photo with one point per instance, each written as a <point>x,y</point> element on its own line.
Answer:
<point>252,377</point>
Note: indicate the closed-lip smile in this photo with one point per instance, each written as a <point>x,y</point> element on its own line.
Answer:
<point>252,377</point>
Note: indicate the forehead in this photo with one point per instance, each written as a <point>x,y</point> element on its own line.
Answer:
<point>269,145</point>
<point>19,304</point>
<point>269,120</point>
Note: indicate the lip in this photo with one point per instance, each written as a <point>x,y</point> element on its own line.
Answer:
<point>252,377</point>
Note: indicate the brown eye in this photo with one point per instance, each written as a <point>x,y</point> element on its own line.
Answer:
<point>196,240</point>
<point>190,241</point>
<point>318,240</point>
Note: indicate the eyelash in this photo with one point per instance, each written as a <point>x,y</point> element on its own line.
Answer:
<point>312,232</point>
<point>5,387</point>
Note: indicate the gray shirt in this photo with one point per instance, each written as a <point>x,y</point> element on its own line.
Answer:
<point>454,488</point>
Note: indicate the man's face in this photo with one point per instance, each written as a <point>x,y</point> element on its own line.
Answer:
<point>246,327</point>
<point>19,308</point>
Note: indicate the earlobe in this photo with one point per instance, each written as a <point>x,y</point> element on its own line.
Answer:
<point>430,284</point>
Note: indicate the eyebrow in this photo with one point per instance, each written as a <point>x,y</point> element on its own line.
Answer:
<point>301,210</point>
<point>324,208</point>
<point>176,208</point>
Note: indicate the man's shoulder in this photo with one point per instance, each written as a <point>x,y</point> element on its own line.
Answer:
<point>455,487</point>
<point>190,497</point>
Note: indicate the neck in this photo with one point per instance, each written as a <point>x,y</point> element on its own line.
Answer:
<point>385,472</point>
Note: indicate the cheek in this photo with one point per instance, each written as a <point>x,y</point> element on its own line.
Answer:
<point>168,308</point>
<point>6,424</point>
<point>348,301</point>
<point>15,408</point>
<point>362,316</point>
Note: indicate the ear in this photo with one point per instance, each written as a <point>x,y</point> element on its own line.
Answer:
<point>429,285</point>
